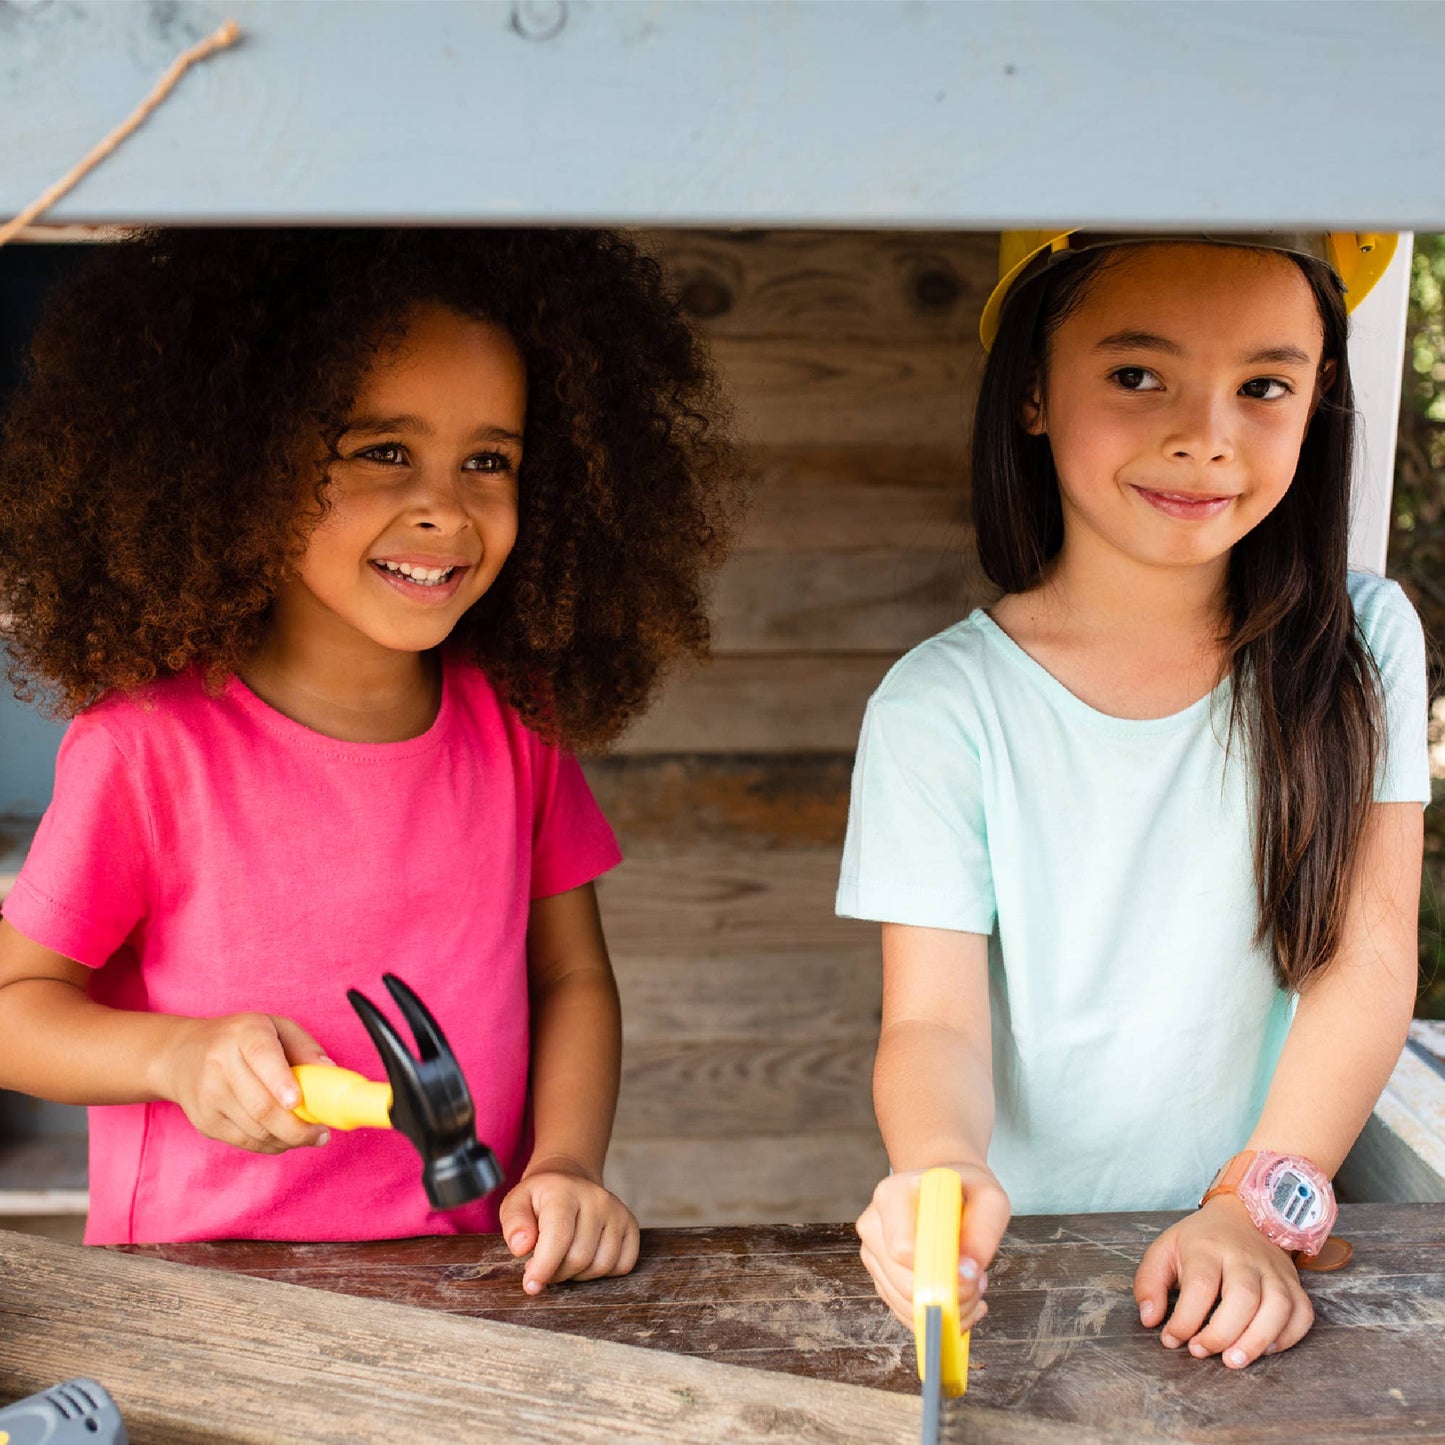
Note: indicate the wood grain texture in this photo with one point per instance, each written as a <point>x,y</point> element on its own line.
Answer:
<point>779,704</point>
<point>1062,1341</point>
<point>748,800</point>
<point>821,994</point>
<point>882,599</point>
<point>837,498</point>
<point>699,1088</point>
<point>886,393</point>
<point>193,1355</point>
<point>695,900</point>
<point>748,1177</point>
<point>865,285</point>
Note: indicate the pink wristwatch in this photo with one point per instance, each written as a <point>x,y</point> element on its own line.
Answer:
<point>1289,1199</point>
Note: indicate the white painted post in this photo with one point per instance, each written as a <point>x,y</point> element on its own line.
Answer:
<point>1377,345</point>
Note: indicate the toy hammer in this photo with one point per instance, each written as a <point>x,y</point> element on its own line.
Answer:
<point>427,1099</point>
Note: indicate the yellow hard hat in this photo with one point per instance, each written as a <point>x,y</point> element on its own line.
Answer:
<point>1359,257</point>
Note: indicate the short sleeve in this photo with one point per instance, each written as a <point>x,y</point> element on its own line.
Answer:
<point>1397,642</point>
<point>84,887</point>
<point>571,841</point>
<point>916,850</point>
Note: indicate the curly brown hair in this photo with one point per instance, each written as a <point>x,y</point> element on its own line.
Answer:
<point>177,388</point>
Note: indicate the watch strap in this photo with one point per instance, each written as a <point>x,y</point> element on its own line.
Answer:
<point>1230,1175</point>
<point>1333,1254</point>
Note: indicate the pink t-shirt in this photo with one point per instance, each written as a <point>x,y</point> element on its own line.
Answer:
<point>207,855</point>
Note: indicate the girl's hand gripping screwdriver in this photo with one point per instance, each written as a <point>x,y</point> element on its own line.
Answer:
<point>427,1099</point>
<point>942,1349</point>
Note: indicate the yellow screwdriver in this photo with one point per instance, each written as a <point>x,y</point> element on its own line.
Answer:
<point>942,1347</point>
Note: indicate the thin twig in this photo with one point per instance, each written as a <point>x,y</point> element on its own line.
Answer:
<point>225,37</point>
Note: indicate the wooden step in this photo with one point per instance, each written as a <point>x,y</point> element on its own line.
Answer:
<point>1400,1154</point>
<point>44,1176</point>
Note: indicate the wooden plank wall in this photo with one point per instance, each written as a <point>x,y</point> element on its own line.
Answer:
<point>751,1012</point>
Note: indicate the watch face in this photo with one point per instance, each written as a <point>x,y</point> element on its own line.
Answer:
<point>1296,1200</point>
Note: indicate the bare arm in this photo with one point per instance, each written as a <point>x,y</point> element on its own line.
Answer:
<point>560,1211</point>
<point>933,1094</point>
<point>61,1045</point>
<point>1353,1017</point>
<point>576,1031</point>
<point>1346,1035</point>
<point>933,1076</point>
<point>231,1075</point>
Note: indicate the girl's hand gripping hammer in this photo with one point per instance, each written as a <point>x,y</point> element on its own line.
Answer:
<point>427,1099</point>
<point>942,1348</point>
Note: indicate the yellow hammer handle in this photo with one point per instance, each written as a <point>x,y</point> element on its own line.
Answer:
<point>341,1099</point>
<point>935,1275</point>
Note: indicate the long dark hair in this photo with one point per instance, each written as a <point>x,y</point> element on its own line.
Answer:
<point>1306,696</point>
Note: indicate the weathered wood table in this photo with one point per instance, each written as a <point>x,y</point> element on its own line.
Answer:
<point>1062,1341</point>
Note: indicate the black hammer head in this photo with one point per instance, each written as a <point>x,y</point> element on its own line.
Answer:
<point>430,1101</point>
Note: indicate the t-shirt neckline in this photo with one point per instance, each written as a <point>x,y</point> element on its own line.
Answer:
<point>1074,704</point>
<point>299,735</point>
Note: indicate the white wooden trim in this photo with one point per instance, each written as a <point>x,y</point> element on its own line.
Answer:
<point>40,1202</point>
<point>1377,346</point>
<point>699,112</point>
<point>1400,1155</point>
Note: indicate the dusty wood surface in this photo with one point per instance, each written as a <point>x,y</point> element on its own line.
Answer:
<point>199,1355</point>
<point>1062,1341</point>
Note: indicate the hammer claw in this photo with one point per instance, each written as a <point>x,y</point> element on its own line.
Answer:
<point>399,1064</point>
<point>430,1041</point>
<point>430,1102</point>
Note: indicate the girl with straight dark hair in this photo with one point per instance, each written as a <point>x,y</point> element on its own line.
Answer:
<point>1145,834</point>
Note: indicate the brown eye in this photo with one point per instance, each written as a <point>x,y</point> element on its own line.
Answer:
<point>1135,378</point>
<point>489,462</point>
<point>390,454</point>
<point>1266,388</point>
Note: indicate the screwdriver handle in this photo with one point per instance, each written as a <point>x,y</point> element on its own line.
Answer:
<point>935,1276</point>
<point>341,1099</point>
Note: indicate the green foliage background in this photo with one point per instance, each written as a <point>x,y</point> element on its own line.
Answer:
<point>1417,561</point>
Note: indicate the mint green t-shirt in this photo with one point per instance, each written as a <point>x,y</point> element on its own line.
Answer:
<point>1136,1025</point>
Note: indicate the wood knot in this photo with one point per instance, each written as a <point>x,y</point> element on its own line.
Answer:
<point>539,19</point>
<point>705,295</point>
<point>936,288</point>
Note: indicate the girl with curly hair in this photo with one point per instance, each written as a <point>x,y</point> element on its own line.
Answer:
<point>333,544</point>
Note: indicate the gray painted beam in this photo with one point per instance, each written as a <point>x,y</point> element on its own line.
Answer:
<point>752,112</point>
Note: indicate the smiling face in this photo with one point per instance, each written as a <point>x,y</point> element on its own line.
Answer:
<point>424,495</point>
<point>1175,399</point>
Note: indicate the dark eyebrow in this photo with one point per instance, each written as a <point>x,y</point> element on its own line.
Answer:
<point>1139,341</point>
<point>1282,355</point>
<point>371,425</point>
<point>1148,341</point>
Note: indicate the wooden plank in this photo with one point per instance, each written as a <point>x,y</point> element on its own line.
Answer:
<point>695,901</point>
<point>852,498</point>
<point>751,801</point>
<point>1062,1339</point>
<point>820,994</point>
<point>729,1087</point>
<point>879,393</point>
<point>197,1355</point>
<point>749,1179</point>
<point>770,704</point>
<point>926,115</point>
<point>43,1175</point>
<point>864,285</point>
<point>1400,1154</point>
<point>879,600</point>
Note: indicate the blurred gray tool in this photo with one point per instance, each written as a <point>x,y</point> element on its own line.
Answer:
<point>79,1412</point>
